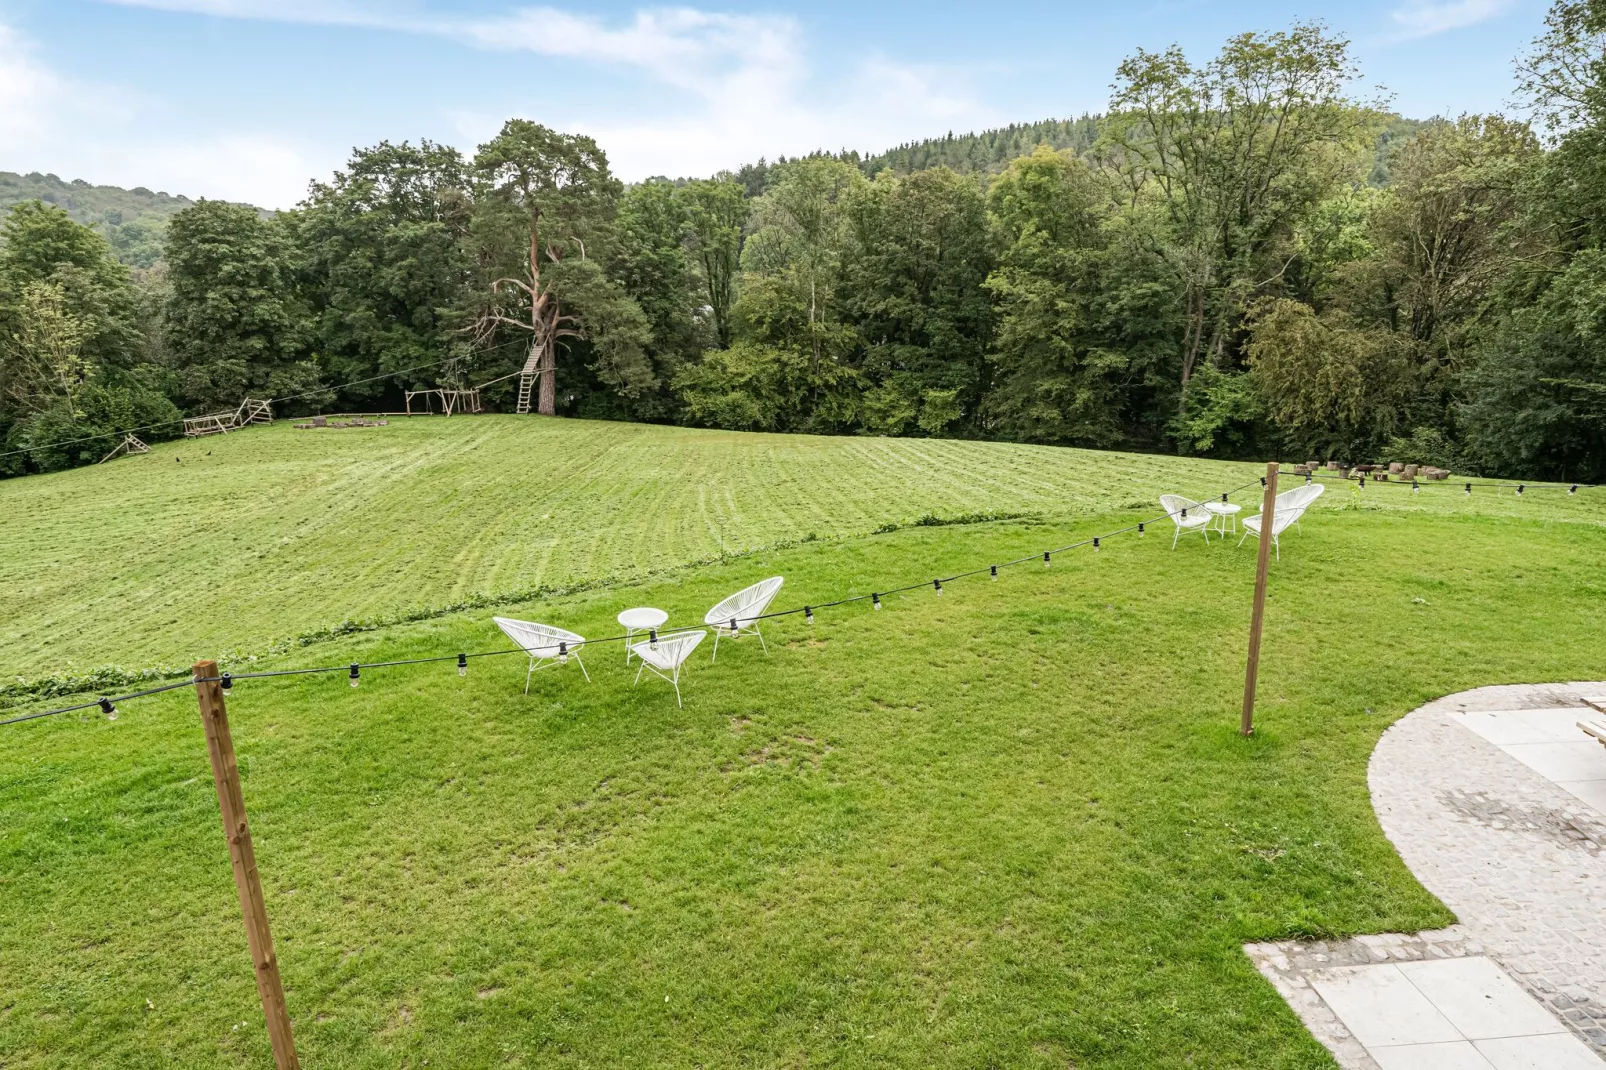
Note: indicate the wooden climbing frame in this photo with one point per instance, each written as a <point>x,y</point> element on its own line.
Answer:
<point>451,401</point>
<point>251,411</point>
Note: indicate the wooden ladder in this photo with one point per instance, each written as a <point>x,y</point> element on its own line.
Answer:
<point>130,444</point>
<point>527,377</point>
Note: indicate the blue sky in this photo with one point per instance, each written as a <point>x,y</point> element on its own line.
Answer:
<point>249,99</point>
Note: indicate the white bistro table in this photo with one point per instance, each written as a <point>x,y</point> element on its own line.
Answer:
<point>1225,513</point>
<point>640,619</point>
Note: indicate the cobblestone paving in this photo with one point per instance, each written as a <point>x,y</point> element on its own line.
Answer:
<point>1521,862</point>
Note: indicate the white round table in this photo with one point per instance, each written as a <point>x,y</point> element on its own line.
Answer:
<point>1224,512</point>
<point>640,619</point>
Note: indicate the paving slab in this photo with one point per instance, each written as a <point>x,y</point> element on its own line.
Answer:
<point>1460,1055</point>
<point>1479,998</point>
<point>1556,1052</point>
<point>1381,1007</point>
<point>1502,727</point>
<point>1496,803</point>
<point>1581,760</point>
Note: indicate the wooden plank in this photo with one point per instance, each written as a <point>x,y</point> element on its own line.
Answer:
<point>237,831</point>
<point>1257,618</point>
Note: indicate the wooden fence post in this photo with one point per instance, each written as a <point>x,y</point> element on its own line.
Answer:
<point>1268,507</point>
<point>230,800</point>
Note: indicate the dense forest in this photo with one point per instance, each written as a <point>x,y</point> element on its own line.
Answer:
<point>1240,257</point>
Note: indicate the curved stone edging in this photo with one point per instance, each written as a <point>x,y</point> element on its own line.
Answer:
<point>1521,861</point>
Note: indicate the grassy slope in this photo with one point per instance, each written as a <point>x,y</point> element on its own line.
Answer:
<point>1011,826</point>
<point>228,544</point>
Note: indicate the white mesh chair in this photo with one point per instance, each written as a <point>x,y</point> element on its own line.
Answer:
<point>740,612</point>
<point>546,645</point>
<point>1290,506</point>
<point>1187,515</point>
<point>665,657</point>
<point>1301,498</point>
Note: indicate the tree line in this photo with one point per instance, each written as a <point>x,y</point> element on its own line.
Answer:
<point>1242,257</point>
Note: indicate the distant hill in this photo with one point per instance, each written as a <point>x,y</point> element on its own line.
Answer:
<point>990,151</point>
<point>133,220</point>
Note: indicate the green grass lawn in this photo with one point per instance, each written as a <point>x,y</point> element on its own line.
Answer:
<point>239,544</point>
<point>1011,826</point>
<point>231,544</point>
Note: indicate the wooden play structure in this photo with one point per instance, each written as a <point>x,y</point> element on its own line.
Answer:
<point>450,400</point>
<point>432,401</point>
<point>129,444</point>
<point>251,411</point>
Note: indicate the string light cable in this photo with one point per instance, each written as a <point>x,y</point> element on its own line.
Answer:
<point>875,597</point>
<point>354,669</point>
<point>1463,485</point>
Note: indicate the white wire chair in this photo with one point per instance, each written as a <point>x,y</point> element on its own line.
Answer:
<point>1300,499</point>
<point>1290,506</point>
<point>740,612</point>
<point>1187,515</point>
<point>546,645</point>
<point>665,656</point>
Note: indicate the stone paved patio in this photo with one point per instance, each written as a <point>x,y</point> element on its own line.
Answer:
<point>1519,858</point>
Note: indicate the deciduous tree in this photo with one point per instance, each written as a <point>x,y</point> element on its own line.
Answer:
<point>716,211</point>
<point>1083,314</point>
<point>39,243</point>
<point>547,202</point>
<point>799,238</point>
<point>385,260</point>
<point>912,289</point>
<point>1237,151</point>
<point>234,325</point>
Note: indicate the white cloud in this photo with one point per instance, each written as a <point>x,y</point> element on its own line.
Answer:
<point>1424,18</point>
<point>683,47</point>
<point>741,85</point>
<point>259,169</point>
<point>880,104</point>
<point>46,123</point>
<point>704,53</point>
<point>27,89</point>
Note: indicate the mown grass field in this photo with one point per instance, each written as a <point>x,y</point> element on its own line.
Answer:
<point>1010,826</point>
<point>233,543</point>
